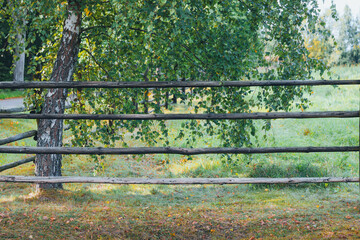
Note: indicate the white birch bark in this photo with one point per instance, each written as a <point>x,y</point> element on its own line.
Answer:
<point>19,70</point>
<point>50,131</point>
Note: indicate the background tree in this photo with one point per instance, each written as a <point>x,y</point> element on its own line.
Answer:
<point>18,27</point>
<point>166,41</point>
<point>349,38</point>
<point>321,43</point>
<point>16,51</point>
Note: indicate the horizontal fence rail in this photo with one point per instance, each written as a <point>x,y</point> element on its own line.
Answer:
<point>173,181</point>
<point>12,110</point>
<point>172,84</point>
<point>23,109</point>
<point>171,150</point>
<point>17,163</point>
<point>203,116</point>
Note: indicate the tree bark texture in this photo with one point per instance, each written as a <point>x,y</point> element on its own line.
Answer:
<point>20,53</point>
<point>50,132</point>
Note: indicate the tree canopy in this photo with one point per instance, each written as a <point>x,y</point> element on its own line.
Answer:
<point>177,41</point>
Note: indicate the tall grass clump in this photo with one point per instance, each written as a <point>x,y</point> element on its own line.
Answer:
<point>288,170</point>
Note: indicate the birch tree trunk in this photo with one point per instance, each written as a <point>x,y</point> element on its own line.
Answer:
<point>50,132</point>
<point>20,53</point>
<point>19,18</point>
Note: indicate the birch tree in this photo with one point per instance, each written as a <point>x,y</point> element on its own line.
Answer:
<point>50,132</point>
<point>166,41</point>
<point>19,69</point>
<point>18,10</point>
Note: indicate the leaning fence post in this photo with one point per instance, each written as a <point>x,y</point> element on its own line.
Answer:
<point>17,163</point>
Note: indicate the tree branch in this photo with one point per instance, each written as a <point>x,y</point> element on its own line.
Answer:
<point>89,28</point>
<point>92,56</point>
<point>137,29</point>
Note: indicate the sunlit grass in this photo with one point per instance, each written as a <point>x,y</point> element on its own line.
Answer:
<point>10,127</point>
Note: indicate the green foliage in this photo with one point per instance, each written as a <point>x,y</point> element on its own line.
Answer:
<point>349,37</point>
<point>351,56</point>
<point>5,56</point>
<point>21,16</point>
<point>179,40</point>
<point>4,72</point>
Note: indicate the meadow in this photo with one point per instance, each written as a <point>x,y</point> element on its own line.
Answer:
<point>7,93</point>
<point>303,211</point>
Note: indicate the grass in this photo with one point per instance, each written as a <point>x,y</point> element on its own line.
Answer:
<point>93,211</point>
<point>6,93</point>
<point>206,212</point>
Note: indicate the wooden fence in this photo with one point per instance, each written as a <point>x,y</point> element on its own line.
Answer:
<point>170,150</point>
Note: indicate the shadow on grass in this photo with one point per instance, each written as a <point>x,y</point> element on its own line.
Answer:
<point>167,212</point>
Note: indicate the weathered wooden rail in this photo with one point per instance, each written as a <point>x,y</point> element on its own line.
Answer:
<point>17,163</point>
<point>203,116</point>
<point>172,150</point>
<point>174,84</point>
<point>173,181</point>
<point>18,137</point>
<point>12,110</point>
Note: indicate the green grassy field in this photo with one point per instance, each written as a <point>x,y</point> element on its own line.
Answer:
<point>6,93</point>
<point>307,211</point>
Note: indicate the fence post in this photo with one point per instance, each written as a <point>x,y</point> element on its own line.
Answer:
<point>134,99</point>
<point>146,99</point>
<point>167,100</point>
